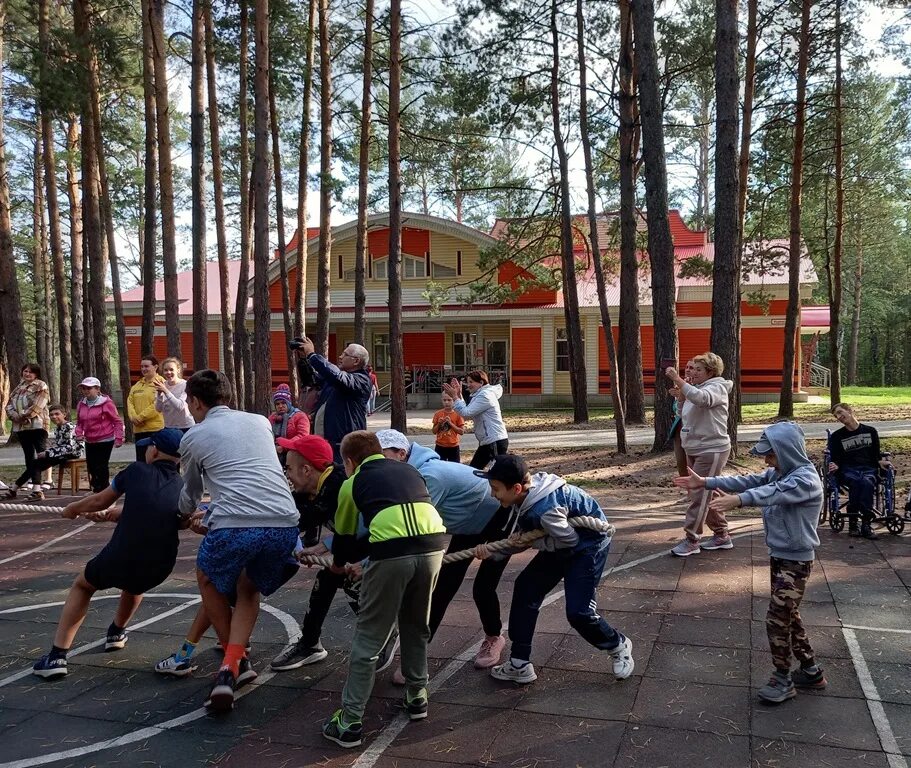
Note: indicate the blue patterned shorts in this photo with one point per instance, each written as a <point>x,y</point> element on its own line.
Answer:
<point>264,553</point>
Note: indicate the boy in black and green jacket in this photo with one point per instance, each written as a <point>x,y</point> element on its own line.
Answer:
<point>406,543</point>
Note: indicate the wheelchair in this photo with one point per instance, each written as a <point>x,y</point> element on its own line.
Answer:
<point>834,508</point>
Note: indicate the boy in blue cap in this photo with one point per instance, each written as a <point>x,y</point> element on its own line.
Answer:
<point>141,553</point>
<point>790,494</point>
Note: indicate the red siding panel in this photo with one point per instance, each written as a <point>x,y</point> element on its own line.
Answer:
<point>427,349</point>
<point>526,361</point>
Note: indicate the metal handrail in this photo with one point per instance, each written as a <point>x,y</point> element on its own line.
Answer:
<point>820,376</point>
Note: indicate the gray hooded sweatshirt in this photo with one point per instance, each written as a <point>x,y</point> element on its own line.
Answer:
<point>484,409</point>
<point>790,496</point>
<point>705,416</point>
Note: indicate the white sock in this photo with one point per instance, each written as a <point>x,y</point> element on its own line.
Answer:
<point>517,663</point>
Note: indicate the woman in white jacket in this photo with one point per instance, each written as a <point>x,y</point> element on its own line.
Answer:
<point>484,410</point>
<point>704,438</point>
<point>171,399</point>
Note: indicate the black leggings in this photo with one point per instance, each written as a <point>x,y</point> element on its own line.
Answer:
<point>97,457</point>
<point>486,581</point>
<point>33,442</point>
<point>486,453</point>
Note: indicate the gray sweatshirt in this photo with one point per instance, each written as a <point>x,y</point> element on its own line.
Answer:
<point>484,410</point>
<point>704,416</point>
<point>232,454</point>
<point>790,496</point>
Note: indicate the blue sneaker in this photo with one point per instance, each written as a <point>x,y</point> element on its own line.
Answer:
<point>50,667</point>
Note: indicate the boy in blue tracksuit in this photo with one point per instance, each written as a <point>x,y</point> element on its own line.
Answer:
<point>575,556</point>
<point>790,494</point>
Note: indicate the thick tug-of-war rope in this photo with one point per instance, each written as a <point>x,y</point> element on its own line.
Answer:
<point>522,542</point>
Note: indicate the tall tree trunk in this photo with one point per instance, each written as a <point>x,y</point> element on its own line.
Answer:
<point>61,293</point>
<point>854,341</point>
<point>394,267</point>
<point>578,384</point>
<point>150,187</point>
<point>39,273</point>
<point>10,300</point>
<point>81,362</point>
<point>323,300</point>
<point>262,339</point>
<point>242,359</point>
<point>91,183</point>
<point>725,336</point>
<point>704,172</point>
<point>593,233</point>
<point>227,328</point>
<point>280,221</point>
<point>786,399</point>
<point>198,186</point>
<point>629,354</point>
<point>360,246</point>
<point>834,271</point>
<point>660,244</point>
<point>300,274</point>
<point>165,177</point>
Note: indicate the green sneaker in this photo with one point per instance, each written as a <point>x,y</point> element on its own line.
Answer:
<point>342,733</point>
<point>416,706</point>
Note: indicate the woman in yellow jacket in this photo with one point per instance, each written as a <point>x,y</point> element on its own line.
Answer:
<point>141,409</point>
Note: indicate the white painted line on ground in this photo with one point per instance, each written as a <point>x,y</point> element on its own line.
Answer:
<point>375,751</point>
<point>47,544</point>
<point>877,629</point>
<point>874,702</point>
<point>288,623</point>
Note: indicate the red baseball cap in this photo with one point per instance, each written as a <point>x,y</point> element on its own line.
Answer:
<point>313,448</point>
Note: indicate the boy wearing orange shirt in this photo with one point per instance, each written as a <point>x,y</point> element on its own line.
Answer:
<point>449,427</point>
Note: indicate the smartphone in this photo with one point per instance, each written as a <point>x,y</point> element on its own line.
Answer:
<point>668,362</point>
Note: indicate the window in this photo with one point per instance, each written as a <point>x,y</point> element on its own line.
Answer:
<point>380,352</point>
<point>463,351</point>
<point>379,269</point>
<point>561,350</point>
<point>413,268</point>
<point>440,271</point>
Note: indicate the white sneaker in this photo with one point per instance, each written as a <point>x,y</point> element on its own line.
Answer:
<point>623,659</point>
<point>46,486</point>
<point>3,486</point>
<point>511,673</point>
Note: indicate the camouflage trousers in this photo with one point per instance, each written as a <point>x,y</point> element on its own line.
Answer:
<point>783,625</point>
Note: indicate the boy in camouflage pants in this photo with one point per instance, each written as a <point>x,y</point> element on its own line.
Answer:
<point>791,495</point>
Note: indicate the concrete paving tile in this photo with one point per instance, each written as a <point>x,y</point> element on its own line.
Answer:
<point>819,720</point>
<point>695,630</point>
<point>859,554</point>
<point>470,686</point>
<point>700,664</point>
<point>777,753</point>
<point>895,617</point>
<point>885,647</point>
<point>715,709</point>
<point>887,598</point>
<point>639,600</point>
<point>451,733</point>
<point>530,740</point>
<point>881,577</point>
<point>257,751</point>
<point>40,695</point>
<point>899,716</point>
<point>583,694</point>
<point>49,732</point>
<point>646,746</point>
<point>710,605</point>
<point>892,681</point>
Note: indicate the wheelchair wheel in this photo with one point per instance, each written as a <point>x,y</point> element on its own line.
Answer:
<point>894,524</point>
<point>837,522</point>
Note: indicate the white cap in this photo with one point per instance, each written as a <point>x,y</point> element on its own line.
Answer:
<point>90,381</point>
<point>392,438</point>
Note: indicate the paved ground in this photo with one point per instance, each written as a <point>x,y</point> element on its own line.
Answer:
<point>638,436</point>
<point>699,645</point>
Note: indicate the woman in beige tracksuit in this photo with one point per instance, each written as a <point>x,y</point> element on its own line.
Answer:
<point>704,437</point>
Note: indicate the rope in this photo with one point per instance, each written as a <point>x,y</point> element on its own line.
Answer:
<point>523,542</point>
<point>4,507</point>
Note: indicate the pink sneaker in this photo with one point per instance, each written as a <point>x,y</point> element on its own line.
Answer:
<point>717,542</point>
<point>491,650</point>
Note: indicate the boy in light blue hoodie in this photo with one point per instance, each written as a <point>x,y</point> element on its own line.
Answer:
<point>790,494</point>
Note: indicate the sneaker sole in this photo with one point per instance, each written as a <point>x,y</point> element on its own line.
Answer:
<point>686,554</point>
<point>387,662</point>
<point>417,715</point>
<point>812,686</point>
<point>708,548</point>
<point>176,672</point>
<point>313,658</point>
<point>115,646</point>
<point>247,677</point>
<point>345,744</point>
<point>507,679</point>
<point>221,699</point>
<point>49,674</point>
<point>780,699</point>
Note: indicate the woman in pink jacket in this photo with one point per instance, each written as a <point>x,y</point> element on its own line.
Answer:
<point>287,421</point>
<point>98,422</point>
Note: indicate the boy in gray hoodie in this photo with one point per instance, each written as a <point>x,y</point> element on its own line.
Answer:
<point>790,494</point>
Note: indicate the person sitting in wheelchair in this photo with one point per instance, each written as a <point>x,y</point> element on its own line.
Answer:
<point>855,460</point>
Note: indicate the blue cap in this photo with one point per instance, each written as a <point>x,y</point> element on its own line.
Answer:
<point>165,440</point>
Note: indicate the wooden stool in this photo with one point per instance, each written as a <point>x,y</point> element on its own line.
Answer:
<point>75,467</point>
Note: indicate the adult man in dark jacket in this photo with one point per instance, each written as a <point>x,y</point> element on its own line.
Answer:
<point>345,391</point>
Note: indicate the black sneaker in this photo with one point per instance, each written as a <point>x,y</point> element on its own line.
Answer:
<point>222,697</point>
<point>245,672</point>
<point>115,642</point>
<point>867,532</point>
<point>803,679</point>
<point>50,667</point>
<point>342,733</point>
<point>298,655</point>
<point>387,654</point>
<point>416,706</point>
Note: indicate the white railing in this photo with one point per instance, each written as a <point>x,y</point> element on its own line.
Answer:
<point>820,376</point>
